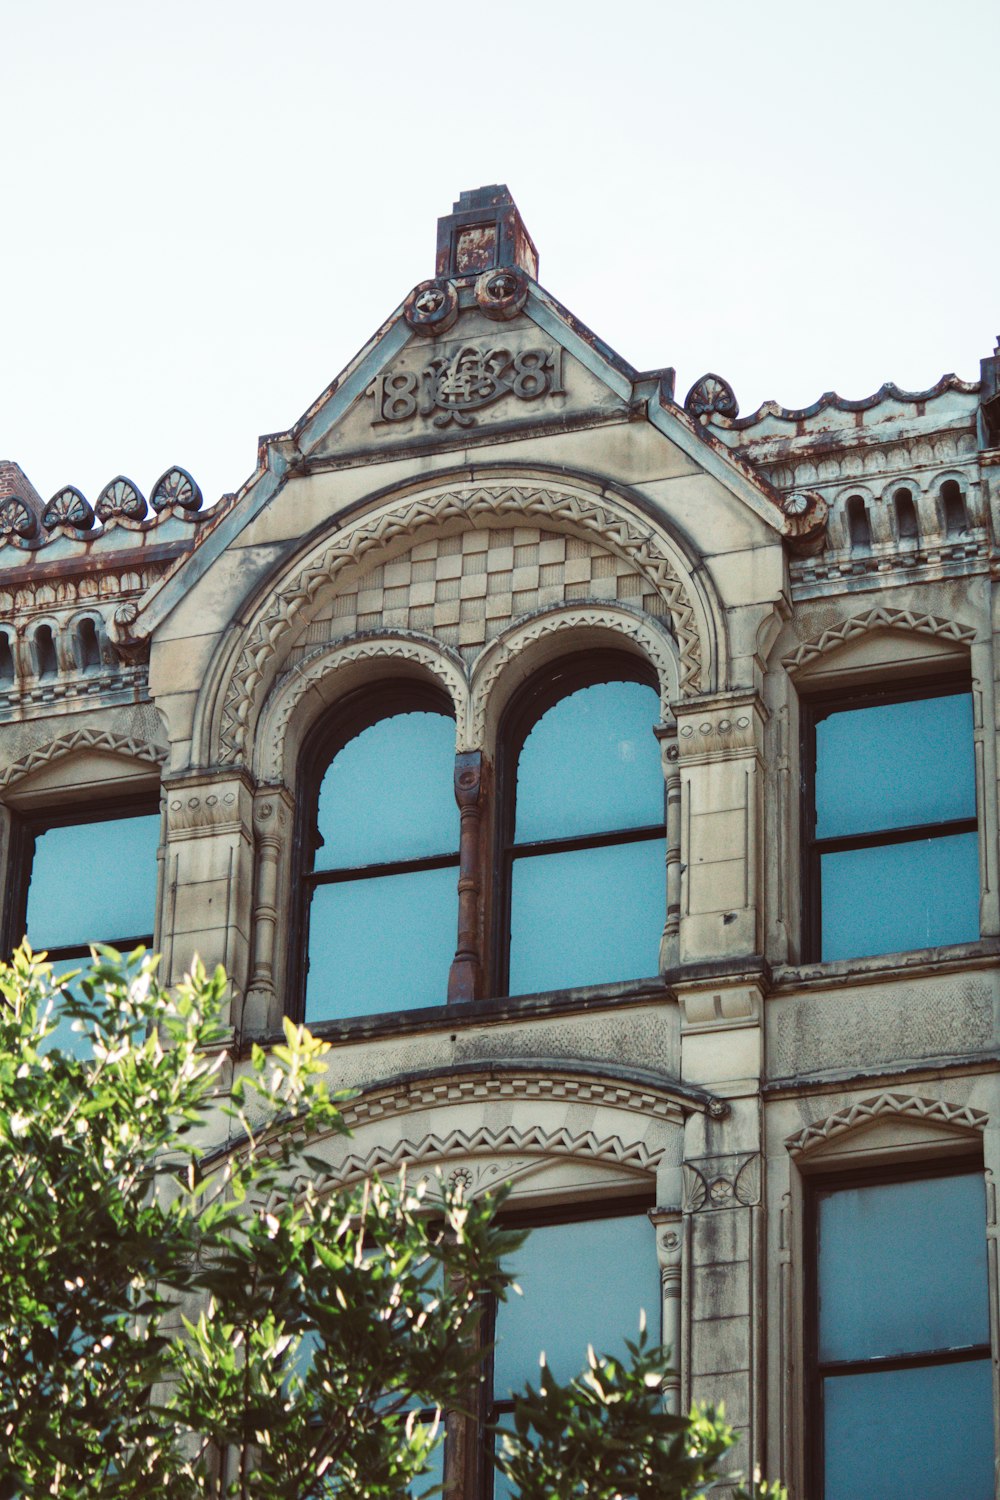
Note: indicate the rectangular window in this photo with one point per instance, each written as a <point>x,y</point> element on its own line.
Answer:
<point>583,1281</point>
<point>88,878</point>
<point>892,851</point>
<point>902,1397</point>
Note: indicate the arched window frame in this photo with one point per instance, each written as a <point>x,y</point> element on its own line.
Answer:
<point>567,675</point>
<point>355,713</point>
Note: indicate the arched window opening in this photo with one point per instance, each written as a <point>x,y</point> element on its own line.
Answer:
<point>584,855</point>
<point>906,517</point>
<point>88,647</point>
<point>379,855</point>
<point>858,527</point>
<point>953,509</point>
<point>45,652</point>
<point>6,660</point>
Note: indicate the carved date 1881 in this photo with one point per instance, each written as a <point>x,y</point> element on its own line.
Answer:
<point>451,387</point>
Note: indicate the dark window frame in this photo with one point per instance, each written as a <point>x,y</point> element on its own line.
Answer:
<point>961,1163</point>
<point>816,708</point>
<point>351,716</point>
<point>491,1409</point>
<point>547,687</point>
<point>26,828</point>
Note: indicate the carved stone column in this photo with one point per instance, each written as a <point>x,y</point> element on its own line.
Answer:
<point>721,753</point>
<point>207,874</point>
<point>669,1252</point>
<point>666,733</point>
<point>465,981</point>
<point>272,817</point>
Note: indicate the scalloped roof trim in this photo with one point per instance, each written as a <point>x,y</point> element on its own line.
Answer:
<point>830,399</point>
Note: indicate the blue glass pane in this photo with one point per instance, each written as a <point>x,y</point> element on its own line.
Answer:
<point>390,794</point>
<point>902,1268</point>
<point>913,895</point>
<point>895,766</point>
<point>382,944</point>
<point>924,1434</point>
<point>589,916</point>
<point>435,1472</point>
<point>583,1284</point>
<point>93,882</point>
<point>591,764</point>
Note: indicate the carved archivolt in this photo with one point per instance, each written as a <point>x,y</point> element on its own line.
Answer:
<point>653,640</point>
<point>934,1110</point>
<point>81,739</point>
<point>877,619</point>
<point>466,507</point>
<point>323,665</point>
<point>574,1118</point>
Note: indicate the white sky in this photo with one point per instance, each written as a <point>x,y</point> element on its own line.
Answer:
<point>210,205</point>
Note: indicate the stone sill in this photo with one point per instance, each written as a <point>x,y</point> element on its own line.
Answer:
<point>885,967</point>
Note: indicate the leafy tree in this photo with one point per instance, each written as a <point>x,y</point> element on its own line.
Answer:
<point>182,1321</point>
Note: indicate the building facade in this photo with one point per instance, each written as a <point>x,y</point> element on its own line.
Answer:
<point>612,779</point>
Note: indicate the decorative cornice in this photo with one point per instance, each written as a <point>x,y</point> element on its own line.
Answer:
<point>876,619</point>
<point>468,507</point>
<point>831,401</point>
<point>936,1111</point>
<point>81,739</point>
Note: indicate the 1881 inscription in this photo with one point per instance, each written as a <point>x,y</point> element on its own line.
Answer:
<point>451,388</point>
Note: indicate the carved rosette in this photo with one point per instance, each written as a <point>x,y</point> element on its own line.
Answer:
<point>432,307</point>
<point>723,1182</point>
<point>501,295</point>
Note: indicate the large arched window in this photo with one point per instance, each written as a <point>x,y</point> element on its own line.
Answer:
<point>583,856</point>
<point>379,856</point>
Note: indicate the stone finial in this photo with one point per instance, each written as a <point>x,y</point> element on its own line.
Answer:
<point>484,232</point>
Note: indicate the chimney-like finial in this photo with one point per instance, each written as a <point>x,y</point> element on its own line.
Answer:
<point>484,232</point>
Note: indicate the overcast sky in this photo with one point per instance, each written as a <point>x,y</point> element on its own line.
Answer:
<point>209,207</point>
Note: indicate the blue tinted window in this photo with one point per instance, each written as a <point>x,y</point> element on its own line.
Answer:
<point>582,1284</point>
<point>587,916</point>
<point>381,944</point>
<point>93,882</point>
<point>389,794</point>
<point>591,764</point>
<point>903,1268</point>
<point>913,1434</point>
<point>894,897</point>
<point>895,765</point>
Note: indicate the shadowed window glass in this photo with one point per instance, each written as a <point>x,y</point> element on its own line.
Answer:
<point>904,1375</point>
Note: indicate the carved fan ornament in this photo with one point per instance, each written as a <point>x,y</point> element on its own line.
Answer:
<point>711,396</point>
<point>17,520</point>
<point>68,507</point>
<point>175,487</point>
<point>120,500</point>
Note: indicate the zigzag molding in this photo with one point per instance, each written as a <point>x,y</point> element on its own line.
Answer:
<point>904,1105</point>
<point>877,619</point>
<point>466,507</point>
<point>81,739</point>
<point>534,1141</point>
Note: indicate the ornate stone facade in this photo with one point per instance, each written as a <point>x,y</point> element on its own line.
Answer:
<point>485,494</point>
